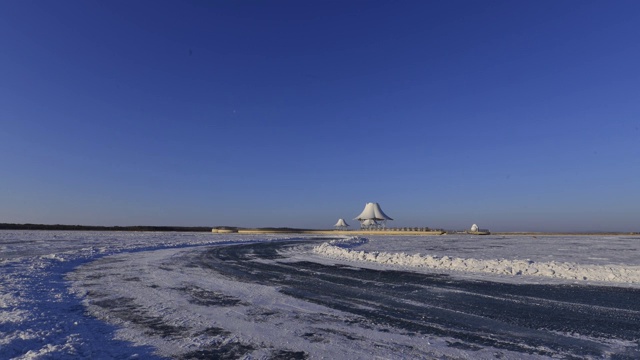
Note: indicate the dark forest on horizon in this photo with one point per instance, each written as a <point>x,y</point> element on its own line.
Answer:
<point>5,226</point>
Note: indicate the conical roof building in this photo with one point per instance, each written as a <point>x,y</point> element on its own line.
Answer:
<point>372,211</point>
<point>371,215</point>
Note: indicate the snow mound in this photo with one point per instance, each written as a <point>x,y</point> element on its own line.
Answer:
<point>348,243</point>
<point>343,249</point>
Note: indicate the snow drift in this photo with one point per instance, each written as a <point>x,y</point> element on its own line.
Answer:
<point>343,249</point>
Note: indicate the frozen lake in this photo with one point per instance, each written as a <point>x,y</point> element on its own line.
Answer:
<point>182,295</point>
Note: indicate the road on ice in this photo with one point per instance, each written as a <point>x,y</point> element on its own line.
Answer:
<point>549,320</point>
<point>279,300</point>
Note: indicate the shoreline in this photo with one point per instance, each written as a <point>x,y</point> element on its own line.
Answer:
<point>284,230</point>
<point>332,232</point>
<point>409,233</point>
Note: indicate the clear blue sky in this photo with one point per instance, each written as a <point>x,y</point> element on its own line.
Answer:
<point>516,115</point>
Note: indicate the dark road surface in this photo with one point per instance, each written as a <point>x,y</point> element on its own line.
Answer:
<point>564,321</point>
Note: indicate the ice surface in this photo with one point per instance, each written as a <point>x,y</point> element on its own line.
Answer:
<point>46,278</point>
<point>172,294</point>
<point>41,318</point>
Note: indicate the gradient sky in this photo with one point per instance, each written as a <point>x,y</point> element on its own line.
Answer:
<point>516,115</point>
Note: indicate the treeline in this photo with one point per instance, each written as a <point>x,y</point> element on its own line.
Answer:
<point>265,229</point>
<point>4,226</point>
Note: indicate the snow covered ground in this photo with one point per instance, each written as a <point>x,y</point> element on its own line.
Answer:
<point>40,317</point>
<point>104,295</point>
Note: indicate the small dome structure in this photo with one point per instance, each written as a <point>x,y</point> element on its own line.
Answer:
<point>369,222</point>
<point>475,228</point>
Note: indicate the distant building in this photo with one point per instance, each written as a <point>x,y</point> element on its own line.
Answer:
<point>341,224</point>
<point>475,229</point>
<point>372,217</point>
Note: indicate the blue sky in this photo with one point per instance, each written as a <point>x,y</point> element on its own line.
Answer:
<point>516,115</point>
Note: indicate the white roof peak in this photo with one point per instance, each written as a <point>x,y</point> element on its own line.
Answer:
<point>372,211</point>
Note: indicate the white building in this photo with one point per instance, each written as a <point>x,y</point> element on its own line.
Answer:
<point>341,224</point>
<point>372,217</point>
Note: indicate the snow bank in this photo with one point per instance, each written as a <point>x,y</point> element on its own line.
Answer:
<point>343,249</point>
<point>348,243</point>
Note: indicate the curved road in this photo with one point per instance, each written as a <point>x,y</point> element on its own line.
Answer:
<point>566,321</point>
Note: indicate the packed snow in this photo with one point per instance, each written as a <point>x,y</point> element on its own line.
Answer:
<point>46,277</point>
<point>41,317</point>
